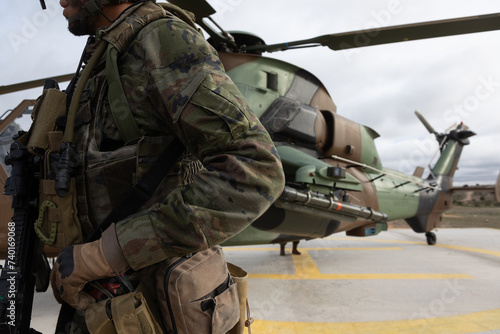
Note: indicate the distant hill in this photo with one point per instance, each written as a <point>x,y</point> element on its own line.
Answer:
<point>475,196</point>
<point>473,206</point>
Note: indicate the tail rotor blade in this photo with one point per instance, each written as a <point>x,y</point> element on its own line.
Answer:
<point>425,123</point>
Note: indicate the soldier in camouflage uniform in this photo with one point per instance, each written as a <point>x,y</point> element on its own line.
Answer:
<point>176,87</point>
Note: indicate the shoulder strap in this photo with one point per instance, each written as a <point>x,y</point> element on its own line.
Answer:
<point>75,101</point>
<point>119,37</point>
<point>120,109</point>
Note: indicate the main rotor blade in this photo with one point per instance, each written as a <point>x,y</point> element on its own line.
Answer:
<point>32,84</point>
<point>425,123</point>
<point>394,34</point>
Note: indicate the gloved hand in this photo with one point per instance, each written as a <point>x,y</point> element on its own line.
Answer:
<point>80,264</point>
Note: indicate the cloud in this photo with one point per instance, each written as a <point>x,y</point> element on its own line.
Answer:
<point>377,86</point>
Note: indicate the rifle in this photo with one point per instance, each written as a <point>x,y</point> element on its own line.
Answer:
<point>26,266</point>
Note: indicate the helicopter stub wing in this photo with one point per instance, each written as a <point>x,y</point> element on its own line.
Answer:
<point>394,34</point>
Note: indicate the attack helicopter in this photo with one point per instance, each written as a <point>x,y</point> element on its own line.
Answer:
<point>335,178</point>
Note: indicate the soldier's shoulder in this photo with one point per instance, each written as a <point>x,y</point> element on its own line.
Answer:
<point>170,27</point>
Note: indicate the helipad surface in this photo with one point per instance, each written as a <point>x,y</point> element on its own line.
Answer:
<point>390,283</point>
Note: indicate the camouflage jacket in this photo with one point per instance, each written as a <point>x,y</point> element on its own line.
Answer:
<point>176,86</point>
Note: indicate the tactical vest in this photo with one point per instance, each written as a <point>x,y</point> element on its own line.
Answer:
<point>114,152</point>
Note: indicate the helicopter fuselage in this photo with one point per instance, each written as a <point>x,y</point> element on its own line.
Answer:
<point>331,158</point>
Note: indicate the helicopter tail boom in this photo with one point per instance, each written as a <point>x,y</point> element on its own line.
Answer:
<point>432,202</point>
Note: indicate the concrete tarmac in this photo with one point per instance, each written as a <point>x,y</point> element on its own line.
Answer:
<point>390,283</point>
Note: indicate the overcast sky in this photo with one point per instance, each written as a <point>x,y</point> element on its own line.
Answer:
<point>448,79</point>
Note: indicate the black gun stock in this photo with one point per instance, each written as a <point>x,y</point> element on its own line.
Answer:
<point>26,266</point>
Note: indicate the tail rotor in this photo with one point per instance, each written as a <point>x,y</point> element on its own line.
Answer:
<point>459,132</point>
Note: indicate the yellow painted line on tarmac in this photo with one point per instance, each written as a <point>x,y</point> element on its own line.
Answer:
<point>354,248</point>
<point>457,324</point>
<point>231,248</point>
<point>306,268</point>
<point>467,249</point>
<point>226,249</point>
<point>358,276</point>
<point>378,240</point>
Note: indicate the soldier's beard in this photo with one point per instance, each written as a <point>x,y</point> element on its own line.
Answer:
<point>79,26</point>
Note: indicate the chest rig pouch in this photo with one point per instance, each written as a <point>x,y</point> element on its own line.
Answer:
<point>57,224</point>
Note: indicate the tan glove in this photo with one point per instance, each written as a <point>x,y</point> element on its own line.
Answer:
<point>80,264</point>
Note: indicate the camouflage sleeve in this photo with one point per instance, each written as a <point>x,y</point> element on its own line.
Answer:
<point>190,94</point>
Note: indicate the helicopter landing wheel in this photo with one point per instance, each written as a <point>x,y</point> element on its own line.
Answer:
<point>431,238</point>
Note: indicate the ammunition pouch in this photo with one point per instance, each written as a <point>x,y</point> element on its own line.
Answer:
<point>50,105</point>
<point>57,224</point>
<point>127,313</point>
